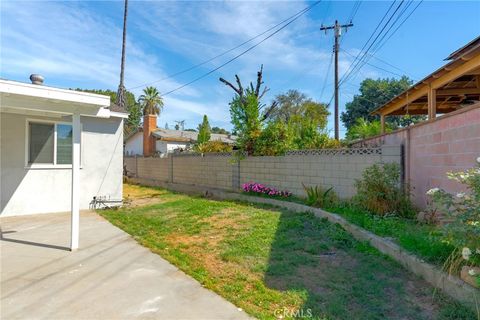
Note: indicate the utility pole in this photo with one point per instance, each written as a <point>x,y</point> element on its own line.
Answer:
<point>337,33</point>
<point>121,87</point>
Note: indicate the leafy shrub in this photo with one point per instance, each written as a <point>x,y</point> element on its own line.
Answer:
<point>363,129</point>
<point>380,191</point>
<point>213,146</point>
<point>274,140</point>
<point>462,211</point>
<point>317,196</point>
<point>253,187</point>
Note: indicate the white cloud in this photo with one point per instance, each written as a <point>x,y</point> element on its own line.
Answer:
<point>69,41</point>
<point>79,45</point>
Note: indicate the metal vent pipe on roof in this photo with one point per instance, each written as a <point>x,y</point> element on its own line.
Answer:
<point>37,79</point>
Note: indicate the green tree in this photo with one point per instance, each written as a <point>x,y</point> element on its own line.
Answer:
<point>364,129</point>
<point>151,101</point>
<point>132,107</point>
<point>373,94</point>
<point>203,131</point>
<point>219,130</point>
<point>247,112</point>
<point>275,139</point>
<point>294,104</point>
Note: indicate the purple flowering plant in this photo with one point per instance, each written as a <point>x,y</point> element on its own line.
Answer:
<point>253,187</point>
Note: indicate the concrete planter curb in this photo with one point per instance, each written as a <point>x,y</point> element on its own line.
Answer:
<point>449,284</point>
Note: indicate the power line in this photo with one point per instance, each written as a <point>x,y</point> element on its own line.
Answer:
<point>401,24</point>
<point>380,44</point>
<point>355,8</point>
<point>301,12</point>
<point>372,43</point>
<point>370,64</point>
<point>326,74</point>
<point>243,52</point>
<point>371,36</point>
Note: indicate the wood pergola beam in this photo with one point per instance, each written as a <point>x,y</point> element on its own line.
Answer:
<point>432,104</point>
<point>422,111</point>
<point>457,91</point>
<point>449,74</point>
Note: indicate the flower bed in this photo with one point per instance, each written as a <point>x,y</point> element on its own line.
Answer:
<point>257,188</point>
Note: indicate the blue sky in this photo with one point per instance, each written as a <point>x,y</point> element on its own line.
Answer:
<point>78,44</point>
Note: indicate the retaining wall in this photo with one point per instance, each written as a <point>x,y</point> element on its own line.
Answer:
<point>338,168</point>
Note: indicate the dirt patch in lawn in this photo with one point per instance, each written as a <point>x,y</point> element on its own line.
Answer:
<point>137,196</point>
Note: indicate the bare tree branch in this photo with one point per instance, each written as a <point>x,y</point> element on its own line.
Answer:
<point>231,86</point>
<point>259,80</point>
<point>270,109</point>
<point>265,90</point>
<point>240,88</point>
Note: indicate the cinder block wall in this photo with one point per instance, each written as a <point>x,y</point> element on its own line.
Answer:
<point>152,168</point>
<point>450,143</point>
<point>323,169</point>
<point>211,170</point>
<point>327,168</point>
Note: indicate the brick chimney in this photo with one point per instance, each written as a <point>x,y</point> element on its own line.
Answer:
<point>149,126</point>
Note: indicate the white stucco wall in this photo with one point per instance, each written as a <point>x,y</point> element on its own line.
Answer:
<point>29,191</point>
<point>134,145</point>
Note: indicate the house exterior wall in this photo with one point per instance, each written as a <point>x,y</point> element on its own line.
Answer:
<point>450,143</point>
<point>326,168</point>
<point>164,147</point>
<point>134,145</point>
<point>31,191</point>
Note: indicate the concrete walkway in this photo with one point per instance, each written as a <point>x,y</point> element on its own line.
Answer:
<point>109,277</point>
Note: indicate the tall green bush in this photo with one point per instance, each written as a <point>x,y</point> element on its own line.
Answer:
<point>381,192</point>
<point>204,131</point>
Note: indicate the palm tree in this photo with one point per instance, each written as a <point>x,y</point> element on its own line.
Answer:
<point>151,101</point>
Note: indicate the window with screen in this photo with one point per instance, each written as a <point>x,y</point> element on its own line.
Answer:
<point>64,144</point>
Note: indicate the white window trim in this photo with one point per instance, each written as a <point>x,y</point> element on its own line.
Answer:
<point>53,165</point>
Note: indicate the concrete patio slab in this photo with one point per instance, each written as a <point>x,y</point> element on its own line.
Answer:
<point>109,277</point>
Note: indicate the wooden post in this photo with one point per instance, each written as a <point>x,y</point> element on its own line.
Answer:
<point>432,104</point>
<point>75,220</point>
<point>382,124</point>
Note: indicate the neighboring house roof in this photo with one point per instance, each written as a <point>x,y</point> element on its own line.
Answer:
<point>184,136</point>
<point>190,136</point>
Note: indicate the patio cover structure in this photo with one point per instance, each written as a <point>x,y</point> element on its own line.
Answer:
<point>39,100</point>
<point>451,87</point>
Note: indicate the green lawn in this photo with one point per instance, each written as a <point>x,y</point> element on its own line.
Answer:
<point>420,239</point>
<point>264,259</point>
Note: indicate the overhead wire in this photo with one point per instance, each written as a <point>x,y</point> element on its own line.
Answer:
<point>287,21</point>
<point>363,54</point>
<point>380,44</point>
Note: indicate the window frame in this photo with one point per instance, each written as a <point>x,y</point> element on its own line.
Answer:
<point>53,165</point>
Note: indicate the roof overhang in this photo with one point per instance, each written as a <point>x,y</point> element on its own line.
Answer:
<point>23,98</point>
<point>456,84</point>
